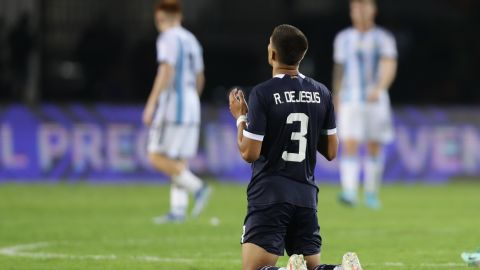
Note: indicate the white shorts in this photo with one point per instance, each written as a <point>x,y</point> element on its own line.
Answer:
<point>175,141</point>
<point>365,122</point>
<point>175,128</point>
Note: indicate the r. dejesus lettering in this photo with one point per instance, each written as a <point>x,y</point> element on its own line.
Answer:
<point>296,97</point>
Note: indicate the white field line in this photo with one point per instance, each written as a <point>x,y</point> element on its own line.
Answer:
<point>26,251</point>
<point>29,251</point>
<point>448,265</point>
<point>158,259</point>
<point>389,264</point>
<point>442,265</point>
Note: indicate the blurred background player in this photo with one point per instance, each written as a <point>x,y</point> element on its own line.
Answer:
<point>365,67</point>
<point>173,111</point>
<point>290,118</point>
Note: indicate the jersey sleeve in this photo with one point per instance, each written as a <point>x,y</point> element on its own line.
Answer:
<point>167,50</point>
<point>339,49</point>
<point>388,47</point>
<point>257,120</point>
<point>329,125</point>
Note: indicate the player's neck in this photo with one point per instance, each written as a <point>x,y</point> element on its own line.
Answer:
<point>289,70</point>
<point>171,25</point>
<point>364,27</point>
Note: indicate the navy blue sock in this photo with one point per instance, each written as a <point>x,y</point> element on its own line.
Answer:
<point>325,267</point>
<point>320,267</point>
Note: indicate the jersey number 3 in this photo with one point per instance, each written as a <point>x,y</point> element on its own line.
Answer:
<point>297,136</point>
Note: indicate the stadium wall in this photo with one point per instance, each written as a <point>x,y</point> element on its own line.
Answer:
<point>106,143</point>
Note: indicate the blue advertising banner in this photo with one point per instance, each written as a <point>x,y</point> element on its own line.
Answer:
<point>107,143</point>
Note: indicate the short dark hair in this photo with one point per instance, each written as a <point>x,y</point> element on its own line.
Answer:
<point>169,6</point>
<point>374,2</point>
<point>289,43</point>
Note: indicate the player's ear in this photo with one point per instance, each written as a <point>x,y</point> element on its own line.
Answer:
<point>274,55</point>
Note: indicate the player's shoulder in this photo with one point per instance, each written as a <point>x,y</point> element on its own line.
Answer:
<point>264,86</point>
<point>383,32</point>
<point>167,36</point>
<point>187,33</point>
<point>275,82</point>
<point>345,33</point>
<point>318,86</point>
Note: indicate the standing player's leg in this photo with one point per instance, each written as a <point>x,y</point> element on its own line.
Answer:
<point>351,130</point>
<point>181,142</point>
<point>379,131</point>
<point>156,155</point>
<point>178,206</point>
<point>197,187</point>
<point>183,182</point>
<point>186,141</point>
<point>349,171</point>
<point>373,173</point>
<point>178,194</point>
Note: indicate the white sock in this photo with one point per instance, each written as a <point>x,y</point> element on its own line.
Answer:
<point>178,200</point>
<point>188,180</point>
<point>350,174</point>
<point>373,173</point>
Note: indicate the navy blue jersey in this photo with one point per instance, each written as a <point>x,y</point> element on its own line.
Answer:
<point>289,114</point>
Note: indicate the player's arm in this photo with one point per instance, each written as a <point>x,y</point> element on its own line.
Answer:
<point>388,71</point>
<point>338,70</point>
<point>339,58</point>
<point>249,148</point>
<point>199,67</point>
<point>163,79</point>
<point>387,67</point>
<point>200,81</point>
<point>328,146</point>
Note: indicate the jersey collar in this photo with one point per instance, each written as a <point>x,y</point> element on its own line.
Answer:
<point>280,76</point>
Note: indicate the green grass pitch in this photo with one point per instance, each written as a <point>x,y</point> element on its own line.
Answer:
<point>89,227</point>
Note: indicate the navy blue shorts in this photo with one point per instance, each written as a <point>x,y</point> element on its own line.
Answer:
<point>283,226</point>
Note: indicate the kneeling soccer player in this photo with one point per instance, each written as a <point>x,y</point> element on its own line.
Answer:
<point>290,118</point>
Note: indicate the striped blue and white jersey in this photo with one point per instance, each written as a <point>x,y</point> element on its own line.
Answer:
<point>360,54</point>
<point>179,48</point>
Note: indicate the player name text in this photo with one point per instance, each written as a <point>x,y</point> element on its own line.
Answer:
<point>296,97</point>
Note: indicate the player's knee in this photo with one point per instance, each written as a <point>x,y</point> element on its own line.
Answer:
<point>374,148</point>
<point>152,158</point>
<point>157,162</point>
<point>350,147</point>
